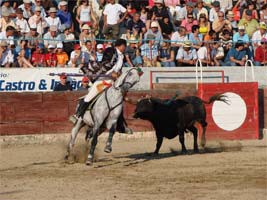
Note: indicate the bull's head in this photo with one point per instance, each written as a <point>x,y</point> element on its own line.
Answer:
<point>144,108</point>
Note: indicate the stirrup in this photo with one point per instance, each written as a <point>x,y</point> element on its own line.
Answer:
<point>127,131</point>
<point>73,119</point>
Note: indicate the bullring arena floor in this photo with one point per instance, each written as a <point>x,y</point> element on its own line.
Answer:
<point>224,170</point>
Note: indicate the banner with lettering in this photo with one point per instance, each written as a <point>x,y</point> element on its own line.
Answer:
<point>36,79</point>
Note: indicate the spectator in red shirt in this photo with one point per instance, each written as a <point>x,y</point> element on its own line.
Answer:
<point>38,56</point>
<point>51,57</point>
<point>261,53</point>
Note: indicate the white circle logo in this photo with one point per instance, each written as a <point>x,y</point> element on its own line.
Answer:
<point>232,115</point>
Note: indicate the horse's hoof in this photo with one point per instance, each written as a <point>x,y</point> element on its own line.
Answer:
<point>66,157</point>
<point>89,162</point>
<point>108,149</point>
<point>184,152</point>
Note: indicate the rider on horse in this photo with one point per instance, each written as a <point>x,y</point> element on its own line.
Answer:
<point>111,67</point>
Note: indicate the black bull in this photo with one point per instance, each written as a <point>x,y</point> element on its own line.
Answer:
<point>172,118</point>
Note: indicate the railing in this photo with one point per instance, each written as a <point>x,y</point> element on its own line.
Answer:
<point>252,70</point>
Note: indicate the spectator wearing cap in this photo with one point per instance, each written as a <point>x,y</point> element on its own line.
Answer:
<point>261,53</point>
<point>221,24</point>
<point>27,9</point>
<point>132,54</point>
<point>226,5</point>
<point>86,34</point>
<point>149,52</point>
<point>230,18</point>
<point>259,35</point>
<point>47,4</point>
<point>63,85</point>
<point>38,20</point>
<point>204,24</point>
<point>186,55</point>
<point>188,9</point>
<point>6,21</point>
<point>85,14</point>
<point>236,56</point>
<point>251,25</point>
<point>50,56</point>
<point>6,56</point>
<point>76,57</point>
<point>39,3</point>
<point>52,36</point>
<point>252,7</point>
<point>23,54</point>
<point>195,37</point>
<point>5,6</point>
<point>84,84</point>
<point>38,56</point>
<point>166,55</point>
<point>64,15</point>
<point>112,18</point>
<point>62,56</point>
<point>159,11</point>
<point>8,35</point>
<point>154,30</point>
<point>189,22</point>
<point>200,10</point>
<point>241,35</point>
<point>214,11</point>
<point>21,23</point>
<point>33,37</point>
<point>99,52</point>
<point>52,19</point>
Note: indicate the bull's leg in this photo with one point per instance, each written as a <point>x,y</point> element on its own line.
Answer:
<point>203,137</point>
<point>108,147</point>
<point>181,139</point>
<point>90,157</point>
<point>74,132</point>
<point>194,130</point>
<point>158,145</point>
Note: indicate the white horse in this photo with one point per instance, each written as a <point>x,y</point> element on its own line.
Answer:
<point>105,112</point>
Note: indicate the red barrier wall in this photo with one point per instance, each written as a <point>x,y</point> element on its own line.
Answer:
<point>43,113</point>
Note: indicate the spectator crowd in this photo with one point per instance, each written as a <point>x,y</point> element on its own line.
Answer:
<point>162,33</point>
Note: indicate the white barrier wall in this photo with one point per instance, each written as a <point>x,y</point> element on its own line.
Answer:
<point>38,79</point>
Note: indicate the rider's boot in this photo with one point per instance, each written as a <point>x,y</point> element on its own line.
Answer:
<point>80,111</point>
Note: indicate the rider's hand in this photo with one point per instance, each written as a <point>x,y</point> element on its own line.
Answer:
<point>114,75</point>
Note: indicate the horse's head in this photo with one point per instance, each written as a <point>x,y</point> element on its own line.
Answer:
<point>128,79</point>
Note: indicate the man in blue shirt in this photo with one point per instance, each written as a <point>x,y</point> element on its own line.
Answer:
<point>241,36</point>
<point>236,56</point>
<point>63,14</point>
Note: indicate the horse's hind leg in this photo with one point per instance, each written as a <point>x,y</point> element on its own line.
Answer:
<point>181,139</point>
<point>90,157</point>
<point>194,130</point>
<point>203,136</point>
<point>108,147</point>
<point>74,133</point>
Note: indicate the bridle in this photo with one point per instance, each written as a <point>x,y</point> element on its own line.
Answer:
<point>126,82</point>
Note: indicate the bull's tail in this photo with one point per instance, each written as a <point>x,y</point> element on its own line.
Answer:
<point>217,97</point>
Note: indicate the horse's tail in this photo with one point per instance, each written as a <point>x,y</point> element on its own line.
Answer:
<point>217,97</point>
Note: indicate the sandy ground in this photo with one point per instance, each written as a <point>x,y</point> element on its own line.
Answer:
<point>224,170</point>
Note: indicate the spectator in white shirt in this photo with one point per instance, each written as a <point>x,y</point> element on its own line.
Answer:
<point>8,35</point>
<point>38,20</point>
<point>203,54</point>
<point>51,37</point>
<point>112,18</point>
<point>6,21</point>
<point>186,56</point>
<point>6,56</point>
<point>27,9</point>
<point>20,22</point>
<point>259,34</point>
<point>38,3</point>
<point>53,19</point>
<point>213,15</point>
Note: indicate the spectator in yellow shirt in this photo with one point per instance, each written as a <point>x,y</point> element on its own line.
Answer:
<point>251,25</point>
<point>62,56</point>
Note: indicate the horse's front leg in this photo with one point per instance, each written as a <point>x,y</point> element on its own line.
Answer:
<point>108,147</point>
<point>90,157</point>
<point>74,133</point>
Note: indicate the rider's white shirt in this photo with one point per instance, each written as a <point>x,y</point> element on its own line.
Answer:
<point>117,67</point>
